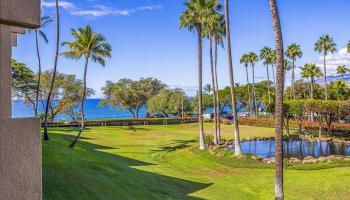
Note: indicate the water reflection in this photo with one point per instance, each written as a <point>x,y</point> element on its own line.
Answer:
<point>296,148</point>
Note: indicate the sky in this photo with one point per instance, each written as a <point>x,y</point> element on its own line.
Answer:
<point>147,41</point>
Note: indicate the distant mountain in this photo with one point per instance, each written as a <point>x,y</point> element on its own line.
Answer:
<point>333,78</point>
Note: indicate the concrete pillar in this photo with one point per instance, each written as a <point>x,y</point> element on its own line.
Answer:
<point>5,72</point>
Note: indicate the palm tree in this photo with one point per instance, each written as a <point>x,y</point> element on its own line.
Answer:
<point>340,87</point>
<point>245,60</point>
<point>91,46</point>
<point>273,60</point>
<point>48,100</point>
<point>279,194</point>
<point>238,150</point>
<point>219,32</point>
<point>253,58</point>
<point>310,71</point>
<point>266,55</point>
<point>287,66</point>
<point>195,18</point>
<point>45,20</point>
<point>342,69</point>
<point>293,52</point>
<point>325,44</point>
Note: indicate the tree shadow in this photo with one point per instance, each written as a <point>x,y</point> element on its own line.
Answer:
<point>89,172</point>
<point>175,145</point>
<point>135,129</point>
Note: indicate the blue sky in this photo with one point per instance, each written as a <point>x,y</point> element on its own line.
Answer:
<point>147,42</point>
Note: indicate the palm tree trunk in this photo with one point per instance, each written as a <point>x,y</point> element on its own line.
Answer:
<point>217,91</point>
<point>279,194</point>
<point>293,78</point>
<point>214,90</point>
<point>268,83</point>
<point>325,76</point>
<point>238,150</point>
<point>48,101</point>
<point>273,74</point>
<point>254,93</point>
<point>200,86</point>
<point>312,96</point>
<point>39,75</point>
<point>82,127</point>
<point>249,96</point>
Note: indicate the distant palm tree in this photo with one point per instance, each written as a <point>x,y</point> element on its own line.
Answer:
<point>91,46</point>
<point>195,18</point>
<point>342,69</point>
<point>287,67</point>
<point>48,100</point>
<point>293,52</point>
<point>310,71</point>
<point>45,20</point>
<point>266,55</point>
<point>273,60</point>
<point>245,60</point>
<point>279,194</point>
<point>238,150</point>
<point>348,46</point>
<point>219,33</point>
<point>253,58</point>
<point>325,45</point>
<point>208,88</point>
<point>340,87</point>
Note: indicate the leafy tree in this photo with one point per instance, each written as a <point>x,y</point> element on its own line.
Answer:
<point>168,102</point>
<point>325,44</point>
<point>197,17</point>
<point>238,150</point>
<point>293,52</point>
<point>91,46</point>
<point>342,69</point>
<point>49,98</point>
<point>130,95</point>
<point>340,90</point>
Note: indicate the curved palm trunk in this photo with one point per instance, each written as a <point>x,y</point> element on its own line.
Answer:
<point>200,86</point>
<point>293,79</point>
<point>268,83</point>
<point>217,92</point>
<point>325,76</point>
<point>214,90</point>
<point>279,194</point>
<point>238,150</point>
<point>82,106</point>
<point>48,101</point>
<point>39,75</point>
<point>254,93</point>
<point>249,96</point>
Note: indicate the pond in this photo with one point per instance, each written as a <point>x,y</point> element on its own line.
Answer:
<point>296,148</point>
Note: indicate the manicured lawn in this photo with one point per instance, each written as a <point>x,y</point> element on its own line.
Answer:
<point>158,162</point>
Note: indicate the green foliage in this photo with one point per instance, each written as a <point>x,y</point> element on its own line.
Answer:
<point>129,94</point>
<point>168,102</point>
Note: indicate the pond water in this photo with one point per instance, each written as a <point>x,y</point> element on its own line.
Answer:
<point>296,148</point>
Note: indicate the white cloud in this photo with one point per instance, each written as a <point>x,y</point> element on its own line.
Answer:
<point>97,10</point>
<point>341,57</point>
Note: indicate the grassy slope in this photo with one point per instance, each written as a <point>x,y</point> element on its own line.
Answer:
<point>154,162</point>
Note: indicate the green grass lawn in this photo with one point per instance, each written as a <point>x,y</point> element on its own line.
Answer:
<point>158,162</point>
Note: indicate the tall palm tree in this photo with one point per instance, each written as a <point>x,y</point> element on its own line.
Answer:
<point>91,46</point>
<point>219,34</point>
<point>293,52</point>
<point>279,194</point>
<point>273,60</point>
<point>253,58</point>
<point>266,55</point>
<point>45,20</point>
<point>238,150</point>
<point>287,66</point>
<point>245,60</point>
<point>48,100</point>
<point>195,18</point>
<point>310,71</point>
<point>342,69</point>
<point>325,44</point>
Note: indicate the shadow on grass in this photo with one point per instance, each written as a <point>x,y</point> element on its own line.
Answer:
<point>175,145</point>
<point>89,172</point>
<point>135,129</point>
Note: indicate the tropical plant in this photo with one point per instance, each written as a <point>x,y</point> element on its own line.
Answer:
<point>310,71</point>
<point>293,52</point>
<point>238,150</point>
<point>267,55</point>
<point>325,44</point>
<point>279,194</point>
<point>342,69</point>
<point>253,58</point>
<point>341,88</point>
<point>49,99</point>
<point>197,17</point>
<point>245,60</point>
<point>45,21</point>
<point>91,46</point>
